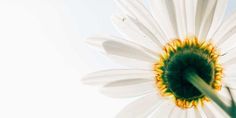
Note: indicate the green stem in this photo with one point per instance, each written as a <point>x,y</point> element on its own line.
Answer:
<point>202,86</point>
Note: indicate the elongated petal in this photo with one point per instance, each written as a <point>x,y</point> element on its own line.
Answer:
<point>181,17</point>
<point>142,107</point>
<point>190,9</point>
<point>204,10</point>
<point>229,71</point>
<point>229,58</point>
<point>230,82</point>
<point>164,111</point>
<point>177,112</point>
<point>225,96</point>
<point>130,62</point>
<point>137,10</point>
<point>97,41</point>
<point>129,88</point>
<point>119,56</point>
<point>199,111</point>
<point>212,111</point>
<point>107,76</point>
<point>226,30</point>
<point>227,45</point>
<point>191,113</point>
<point>219,14</point>
<point>147,32</point>
<point>129,51</point>
<point>165,17</point>
<point>133,33</point>
<point>207,19</point>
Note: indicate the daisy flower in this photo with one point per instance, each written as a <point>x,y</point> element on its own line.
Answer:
<point>166,42</point>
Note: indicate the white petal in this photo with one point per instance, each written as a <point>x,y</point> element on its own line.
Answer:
<point>141,108</point>
<point>164,110</point>
<point>190,9</point>
<point>129,62</point>
<point>133,33</point>
<point>229,72</point>
<point>97,41</point>
<point>134,62</point>
<point>137,10</point>
<point>129,51</point>
<point>204,8</point>
<point>230,82</point>
<point>207,19</point>
<point>164,17</point>
<point>199,111</point>
<point>180,17</point>
<point>129,88</point>
<point>177,112</point>
<point>226,30</point>
<point>224,95</point>
<point>218,16</point>
<point>107,76</point>
<point>227,44</point>
<point>212,111</point>
<point>147,32</point>
<point>228,58</point>
<point>191,113</point>
<point>197,114</point>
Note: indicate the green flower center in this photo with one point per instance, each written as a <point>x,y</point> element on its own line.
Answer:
<point>178,57</point>
<point>176,66</point>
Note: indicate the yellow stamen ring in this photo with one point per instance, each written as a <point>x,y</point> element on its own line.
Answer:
<point>173,47</point>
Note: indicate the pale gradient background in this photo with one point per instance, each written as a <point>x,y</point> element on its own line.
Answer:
<point>43,57</point>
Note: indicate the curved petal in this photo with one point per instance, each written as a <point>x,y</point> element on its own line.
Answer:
<point>181,17</point>
<point>224,95</point>
<point>97,41</point>
<point>207,19</point>
<point>212,111</point>
<point>181,113</point>
<point>219,14</point>
<point>203,14</point>
<point>229,58</point>
<point>137,10</point>
<point>147,32</point>
<point>129,51</point>
<point>227,45</point>
<point>129,88</point>
<point>133,33</point>
<point>229,72</point>
<point>226,30</point>
<point>164,110</point>
<point>130,62</point>
<point>164,16</point>
<point>199,111</point>
<point>142,107</point>
<point>107,76</point>
<point>190,8</point>
<point>139,56</point>
<point>191,113</point>
<point>230,82</point>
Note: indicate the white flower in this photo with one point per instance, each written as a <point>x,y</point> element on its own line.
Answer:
<point>160,44</point>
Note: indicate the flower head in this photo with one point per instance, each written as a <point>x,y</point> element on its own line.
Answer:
<point>162,42</point>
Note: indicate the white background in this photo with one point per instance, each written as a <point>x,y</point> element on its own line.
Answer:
<point>43,57</point>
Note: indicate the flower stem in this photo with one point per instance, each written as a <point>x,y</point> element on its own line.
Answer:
<point>202,86</point>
